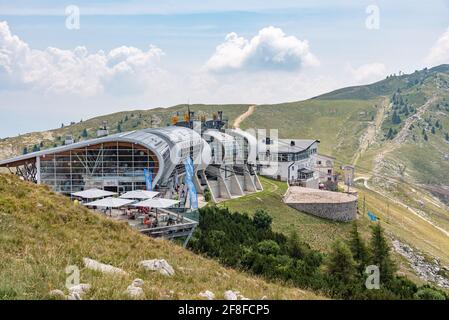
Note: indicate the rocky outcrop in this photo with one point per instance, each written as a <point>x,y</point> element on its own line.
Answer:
<point>209,295</point>
<point>105,268</point>
<point>160,265</point>
<point>430,271</point>
<point>77,291</point>
<point>57,294</point>
<point>233,295</point>
<point>134,290</point>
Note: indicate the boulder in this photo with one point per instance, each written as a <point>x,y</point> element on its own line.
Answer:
<point>230,295</point>
<point>160,265</point>
<point>134,292</point>
<point>137,283</point>
<point>234,295</point>
<point>209,295</point>
<point>105,268</point>
<point>74,296</point>
<point>57,294</point>
<point>79,289</point>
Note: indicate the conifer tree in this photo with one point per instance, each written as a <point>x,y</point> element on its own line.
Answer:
<point>358,248</point>
<point>341,264</point>
<point>380,254</point>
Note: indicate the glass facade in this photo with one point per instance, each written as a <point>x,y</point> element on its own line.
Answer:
<point>115,166</point>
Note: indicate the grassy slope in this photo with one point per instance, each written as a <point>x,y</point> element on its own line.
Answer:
<point>41,233</point>
<point>319,233</point>
<point>338,124</point>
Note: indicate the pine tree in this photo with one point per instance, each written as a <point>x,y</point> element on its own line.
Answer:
<point>84,133</point>
<point>380,254</point>
<point>358,248</point>
<point>25,150</point>
<point>341,264</point>
<point>395,119</point>
<point>426,137</point>
<point>433,130</point>
<point>119,128</point>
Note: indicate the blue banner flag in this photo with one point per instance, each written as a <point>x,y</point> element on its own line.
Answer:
<point>148,179</point>
<point>372,216</point>
<point>190,171</point>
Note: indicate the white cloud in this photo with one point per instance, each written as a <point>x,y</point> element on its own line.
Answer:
<point>439,53</point>
<point>270,49</point>
<point>74,71</point>
<point>368,72</point>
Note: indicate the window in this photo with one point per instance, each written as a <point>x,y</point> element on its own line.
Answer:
<point>329,171</point>
<point>319,162</point>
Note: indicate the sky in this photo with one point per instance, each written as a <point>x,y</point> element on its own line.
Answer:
<point>63,61</point>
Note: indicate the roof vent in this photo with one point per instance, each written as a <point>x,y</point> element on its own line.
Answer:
<point>292,143</point>
<point>267,140</point>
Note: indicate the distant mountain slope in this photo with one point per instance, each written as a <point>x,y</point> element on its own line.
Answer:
<point>385,87</point>
<point>42,233</point>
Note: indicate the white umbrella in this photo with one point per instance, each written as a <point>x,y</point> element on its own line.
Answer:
<point>139,194</point>
<point>109,203</point>
<point>93,193</point>
<point>156,203</point>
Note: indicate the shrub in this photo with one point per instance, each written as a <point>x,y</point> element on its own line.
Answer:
<point>262,219</point>
<point>429,294</point>
<point>207,195</point>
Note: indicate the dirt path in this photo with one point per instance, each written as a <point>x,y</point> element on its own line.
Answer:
<point>370,133</point>
<point>402,135</point>
<point>243,116</point>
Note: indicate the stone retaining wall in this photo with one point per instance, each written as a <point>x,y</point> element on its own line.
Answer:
<point>345,211</point>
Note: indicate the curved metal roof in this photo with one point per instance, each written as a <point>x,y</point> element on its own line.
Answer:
<point>219,136</point>
<point>177,135</point>
<point>252,142</point>
<point>148,140</point>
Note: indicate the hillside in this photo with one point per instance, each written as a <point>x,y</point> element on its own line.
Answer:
<point>395,132</point>
<point>41,233</point>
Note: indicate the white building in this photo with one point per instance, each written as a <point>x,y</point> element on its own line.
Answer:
<point>325,167</point>
<point>291,160</point>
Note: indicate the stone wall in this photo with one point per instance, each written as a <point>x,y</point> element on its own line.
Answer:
<point>344,211</point>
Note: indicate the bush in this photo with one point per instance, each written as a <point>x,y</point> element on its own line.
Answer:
<point>239,241</point>
<point>262,219</point>
<point>207,195</point>
<point>267,247</point>
<point>427,293</point>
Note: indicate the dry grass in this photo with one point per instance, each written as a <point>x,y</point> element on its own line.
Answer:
<point>41,233</point>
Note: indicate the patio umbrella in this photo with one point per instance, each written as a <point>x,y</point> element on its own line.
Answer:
<point>93,193</point>
<point>156,203</point>
<point>139,194</point>
<point>109,203</point>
